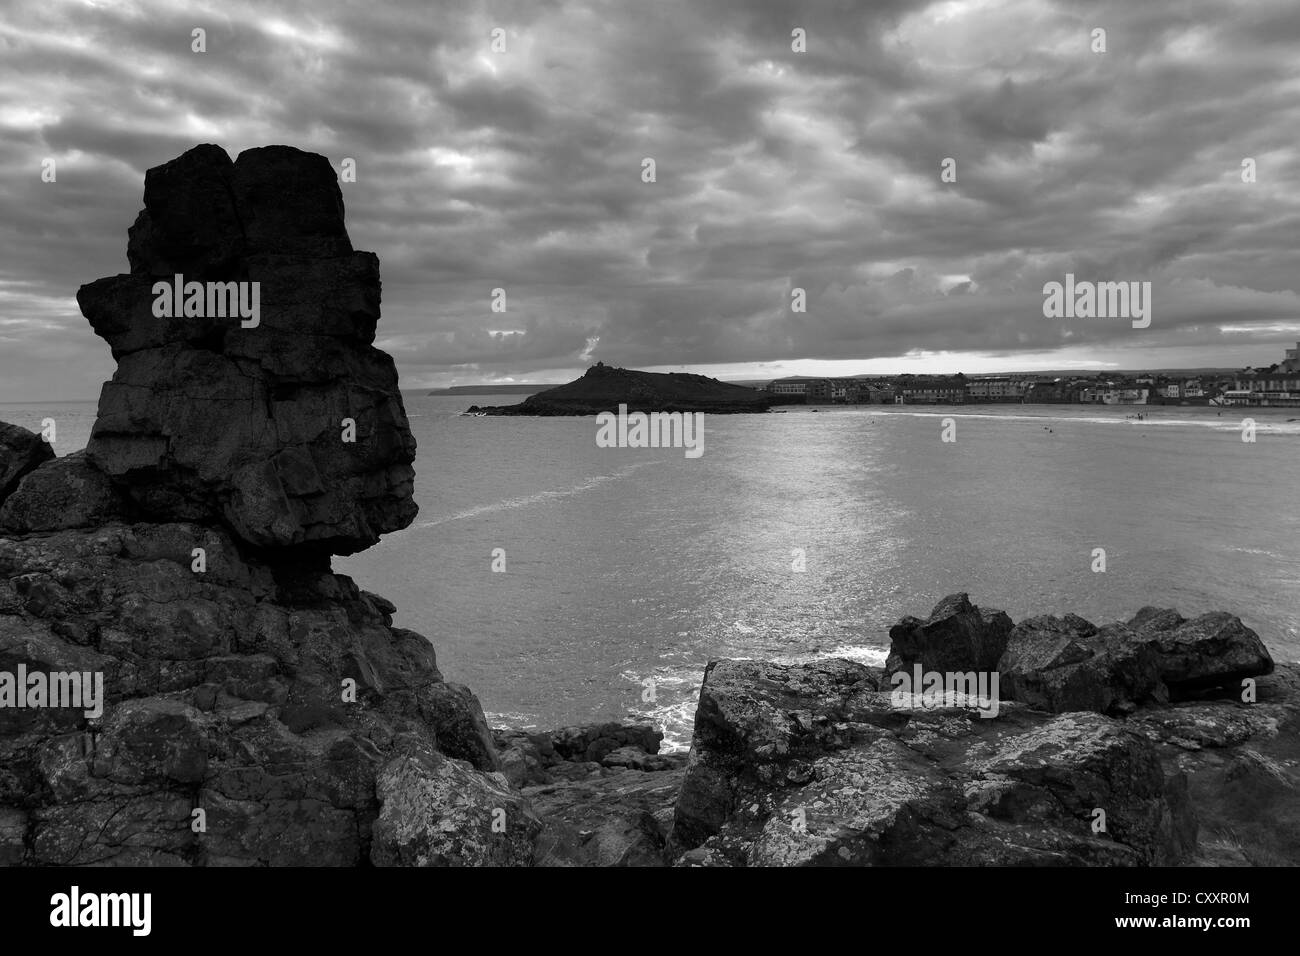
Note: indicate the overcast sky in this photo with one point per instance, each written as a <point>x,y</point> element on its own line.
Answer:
<point>775,170</point>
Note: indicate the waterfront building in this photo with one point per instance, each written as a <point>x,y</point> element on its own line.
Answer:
<point>931,390</point>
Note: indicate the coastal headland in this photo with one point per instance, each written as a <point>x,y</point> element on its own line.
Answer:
<point>603,388</point>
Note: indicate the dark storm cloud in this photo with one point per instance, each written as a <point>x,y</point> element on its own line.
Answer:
<point>776,170</point>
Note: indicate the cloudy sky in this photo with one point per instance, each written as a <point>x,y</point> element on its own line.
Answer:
<point>775,170</point>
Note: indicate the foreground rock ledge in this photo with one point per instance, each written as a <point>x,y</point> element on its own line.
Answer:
<point>817,764</point>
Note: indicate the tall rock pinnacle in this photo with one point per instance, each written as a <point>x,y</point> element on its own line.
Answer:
<point>248,391</point>
<point>183,678</point>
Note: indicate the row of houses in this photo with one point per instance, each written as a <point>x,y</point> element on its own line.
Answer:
<point>904,389</point>
<point>1277,385</point>
<point>900,389</point>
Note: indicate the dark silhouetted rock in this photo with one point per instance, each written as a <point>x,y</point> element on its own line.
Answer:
<point>958,636</point>
<point>207,420</point>
<point>21,451</point>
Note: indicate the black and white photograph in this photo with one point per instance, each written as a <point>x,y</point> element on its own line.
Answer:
<point>648,435</point>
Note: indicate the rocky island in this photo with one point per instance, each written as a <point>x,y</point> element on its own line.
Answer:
<point>603,388</point>
<point>258,709</point>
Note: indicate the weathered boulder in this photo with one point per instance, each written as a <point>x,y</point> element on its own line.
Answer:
<point>957,636</point>
<point>1213,650</point>
<point>292,432</point>
<point>438,812</point>
<point>21,452</point>
<point>67,492</point>
<point>1066,664</point>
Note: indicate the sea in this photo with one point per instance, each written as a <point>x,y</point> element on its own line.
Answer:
<point>567,583</point>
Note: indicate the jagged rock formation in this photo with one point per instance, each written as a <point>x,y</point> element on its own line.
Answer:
<point>207,420</point>
<point>256,708</point>
<point>829,764</point>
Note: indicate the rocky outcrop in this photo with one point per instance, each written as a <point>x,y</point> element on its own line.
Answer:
<point>270,698</point>
<point>21,451</point>
<point>1064,664</point>
<point>183,678</point>
<point>813,765</point>
<point>290,431</point>
<point>1084,762</point>
<point>957,636</point>
<point>1214,650</point>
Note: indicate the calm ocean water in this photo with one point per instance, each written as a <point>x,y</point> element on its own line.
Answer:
<point>624,565</point>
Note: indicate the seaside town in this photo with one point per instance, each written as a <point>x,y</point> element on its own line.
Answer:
<point>1275,386</point>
